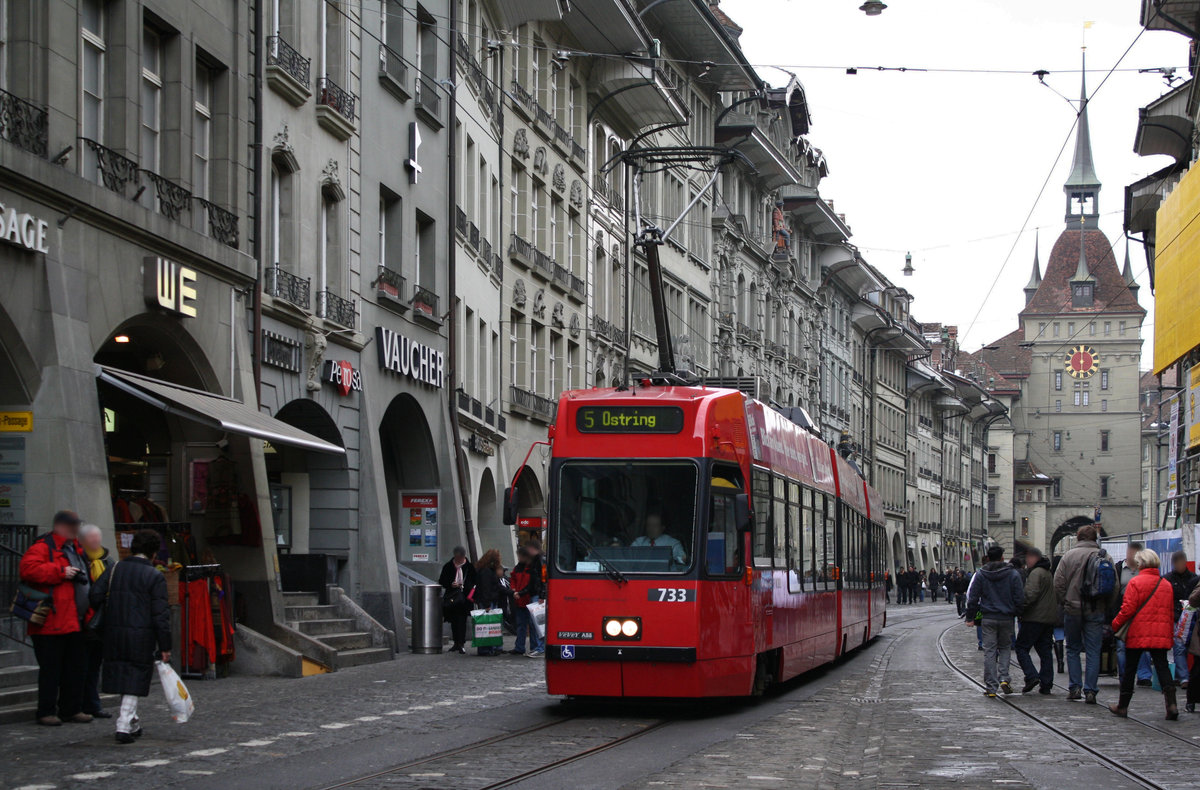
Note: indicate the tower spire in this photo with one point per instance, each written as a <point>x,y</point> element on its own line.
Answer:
<point>1035,279</point>
<point>1127,272</point>
<point>1082,187</point>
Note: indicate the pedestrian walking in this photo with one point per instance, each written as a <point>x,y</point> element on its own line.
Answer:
<point>922,586</point>
<point>887,586</point>
<point>1147,617</point>
<point>98,561</point>
<point>1126,570</point>
<point>1183,582</point>
<point>935,582</point>
<point>488,590</point>
<point>54,565</point>
<point>137,628</point>
<point>960,591</point>
<point>457,580</point>
<point>1039,616</point>
<point>1085,583</point>
<point>1193,689</point>
<point>997,594</point>
<point>527,589</point>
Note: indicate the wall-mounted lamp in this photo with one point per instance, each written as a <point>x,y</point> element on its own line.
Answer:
<point>872,7</point>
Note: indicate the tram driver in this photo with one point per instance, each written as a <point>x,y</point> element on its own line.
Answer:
<point>656,537</point>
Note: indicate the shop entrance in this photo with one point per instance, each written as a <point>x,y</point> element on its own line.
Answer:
<point>492,534</point>
<point>310,509</point>
<point>410,472</point>
<point>531,507</point>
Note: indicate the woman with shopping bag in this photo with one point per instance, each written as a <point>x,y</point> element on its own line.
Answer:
<point>458,581</point>
<point>137,628</point>
<point>486,598</point>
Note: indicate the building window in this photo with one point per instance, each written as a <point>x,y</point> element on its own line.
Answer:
<point>1092,328</point>
<point>1078,395</point>
<point>1024,526</point>
<point>991,463</point>
<point>151,105</point>
<point>1056,487</point>
<point>1107,327</point>
<point>1058,405</point>
<point>1071,328</point>
<point>1104,404</point>
<point>1104,484</point>
<point>991,504</point>
<point>426,269</point>
<point>1058,378</point>
<point>1104,379</point>
<point>1104,441</point>
<point>1057,444</point>
<point>1056,329</point>
<point>391,226</point>
<point>1121,328</point>
<point>91,67</point>
<point>202,130</point>
<point>1086,396</point>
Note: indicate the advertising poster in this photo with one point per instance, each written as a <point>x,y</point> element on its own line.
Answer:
<point>1173,460</point>
<point>414,516</point>
<point>1193,403</point>
<point>431,537</point>
<point>12,480</point>
<point>414,536</point>
<point>421,508</point>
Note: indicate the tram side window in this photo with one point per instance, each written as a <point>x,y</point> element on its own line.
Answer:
<point>818,568</point>
<point>829,542</point>
<point>779,521</point>
<point>807,558</point>
<point>761,501</point>
<point>849,548</point>
<point>795,549</point>
<point>723,549</point>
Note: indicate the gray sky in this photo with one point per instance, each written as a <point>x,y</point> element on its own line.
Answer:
<point>934,162</point>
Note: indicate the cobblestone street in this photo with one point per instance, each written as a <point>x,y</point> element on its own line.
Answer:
<point>891,716</point>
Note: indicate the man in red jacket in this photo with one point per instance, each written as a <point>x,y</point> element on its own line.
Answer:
<point>54,564</point>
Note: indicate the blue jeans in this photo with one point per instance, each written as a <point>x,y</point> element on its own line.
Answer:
<point>1040,638</point>
<point>1085,633</point>
<point>997,644</point>
<point>1181,660</point>
<point>1143,668</point>
<point>525,626</point>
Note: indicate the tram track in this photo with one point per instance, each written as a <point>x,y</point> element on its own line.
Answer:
<point>1112,763</point>
<point>480,750</point>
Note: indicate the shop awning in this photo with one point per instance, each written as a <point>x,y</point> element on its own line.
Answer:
<point>215,411</point>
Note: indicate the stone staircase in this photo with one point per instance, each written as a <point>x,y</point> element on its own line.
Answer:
<point>18,687</point>
<point>303,612</point>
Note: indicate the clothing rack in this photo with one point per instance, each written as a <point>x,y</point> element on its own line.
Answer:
<point>192,573</point>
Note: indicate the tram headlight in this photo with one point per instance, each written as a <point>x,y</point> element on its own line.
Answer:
<point>622,628</point>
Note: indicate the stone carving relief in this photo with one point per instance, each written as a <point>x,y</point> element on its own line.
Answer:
<point>556,315</point>
<point>521,144</point>
<point>559,179</point>
<point>575,329</point>
<point>519,297</point>
<point>314,349</point>
<point>331,182</point>
<point>539,303</point>
<point>577,193</point>
<point>539,159</point>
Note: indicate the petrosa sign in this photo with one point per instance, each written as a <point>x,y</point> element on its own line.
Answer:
<point>343,376</point>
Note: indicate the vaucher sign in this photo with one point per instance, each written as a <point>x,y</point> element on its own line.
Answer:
<point>406,357</point>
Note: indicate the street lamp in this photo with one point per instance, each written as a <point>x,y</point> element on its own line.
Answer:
<point>872,7</point>
<point>908,269</point>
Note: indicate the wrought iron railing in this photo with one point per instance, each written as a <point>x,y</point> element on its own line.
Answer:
<point>390,284</point>
<point>477,77</point>
<point>287,286</point>
<point>560,276</point>
<point>281,54</point>
<point>521,94</point>
<point>609,191</point>
<point>15,539</point>
<point>485,252</point>
<point>464,400</point>
<point>338,309</point>
<point>173,199</point>
<point>24,124</point>
<point>473,235</point>
<point>520,249</point>
<point>222,224</point>
<point>542,263</point>
<point>392,65</point>
<point>533,403</point>
<point>332,95</point>
<point>460,220</point>
<point>498,266</point>
<point>477,408</point>
<point>428,98</point>
<point>577,286</point>
<point>607,330</point>
<point>117,172</point>
<point>578,151</point>
<point>425,301</point>
<point>543,116</point>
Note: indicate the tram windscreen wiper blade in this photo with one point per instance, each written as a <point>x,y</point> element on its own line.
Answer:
<point>609,569</point>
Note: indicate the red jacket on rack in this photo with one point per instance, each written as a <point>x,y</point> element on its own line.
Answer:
<point>1154,625</point>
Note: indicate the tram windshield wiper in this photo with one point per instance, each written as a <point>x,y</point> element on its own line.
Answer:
<point>610,570</point>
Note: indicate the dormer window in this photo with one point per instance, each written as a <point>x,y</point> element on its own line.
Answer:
<point>1082,294</point>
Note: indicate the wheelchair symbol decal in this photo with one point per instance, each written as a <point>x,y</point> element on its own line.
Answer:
<point>568,652</point>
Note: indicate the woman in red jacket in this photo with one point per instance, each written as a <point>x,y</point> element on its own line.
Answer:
<point>1149,608</point>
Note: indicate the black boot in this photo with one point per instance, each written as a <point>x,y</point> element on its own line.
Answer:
<point>1059,653</point>
<point>1122,707</point>
<point>1172,707</point>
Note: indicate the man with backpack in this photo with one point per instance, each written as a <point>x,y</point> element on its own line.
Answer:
<point>1085,584</point>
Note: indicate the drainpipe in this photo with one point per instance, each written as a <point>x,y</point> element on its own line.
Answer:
<point>256,222</point>
<point>460,455</point>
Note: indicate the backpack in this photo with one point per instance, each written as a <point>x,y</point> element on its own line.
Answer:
<point>1099,577</point>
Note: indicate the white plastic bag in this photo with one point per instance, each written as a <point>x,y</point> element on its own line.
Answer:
<point>179,701</point>
<point>537,613</point>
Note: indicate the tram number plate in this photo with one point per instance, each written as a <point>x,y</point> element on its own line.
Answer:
<point>671,594</point>
<point>576,634</point>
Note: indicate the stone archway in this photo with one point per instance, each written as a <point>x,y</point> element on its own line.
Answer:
<point>410,463</point>
<point>492,533</point>
<point>1068,528</point>
<point>314,482</point>
<point>897,551</point>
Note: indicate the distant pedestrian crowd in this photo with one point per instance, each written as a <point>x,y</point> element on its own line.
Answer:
<point>1086,599</point>
<point>491,598</point>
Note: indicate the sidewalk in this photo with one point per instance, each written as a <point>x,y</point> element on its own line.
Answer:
<point>240,721</point>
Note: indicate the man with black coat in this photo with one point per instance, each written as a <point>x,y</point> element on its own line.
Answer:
<point>1183,582</point>
<point>998,594</point>
<point>457,580</point>
<point>137,628</point>
<point>1039,616</point>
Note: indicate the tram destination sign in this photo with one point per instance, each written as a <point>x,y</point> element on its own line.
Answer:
<point>629,419</point>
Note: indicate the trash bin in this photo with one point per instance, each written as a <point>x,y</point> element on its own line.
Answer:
<point>427,618</point>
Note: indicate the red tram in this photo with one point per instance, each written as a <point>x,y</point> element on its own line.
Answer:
<point>700,544</point>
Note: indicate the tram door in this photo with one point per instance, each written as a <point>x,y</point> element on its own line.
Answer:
<point>726,624</point>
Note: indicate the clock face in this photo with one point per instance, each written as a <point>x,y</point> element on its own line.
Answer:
<point>1082,362</point>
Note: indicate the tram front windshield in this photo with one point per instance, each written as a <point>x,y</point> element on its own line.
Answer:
<point>625,516</point>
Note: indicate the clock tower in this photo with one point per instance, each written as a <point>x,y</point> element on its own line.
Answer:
<point>1076,357</point>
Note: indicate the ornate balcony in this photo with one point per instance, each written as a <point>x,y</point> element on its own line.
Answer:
<point>222,224</point>
<point>173,199</point>
<point>520,250</point>
<point>24,124</point>
<point>542,264</point>
<point>117,172</point>
<point>429,101</point>
<point>498,266</point>
<point>460,220</point>
<point>425,302</point>
<point>390,286</point>
<point>473,235</point>
<point>606,330</point>
<point>524,100</point>
<point>338,310</point>
<point>288,71</point>
<point>609,192</point>
<point>531,404</point>
<point>485,252</point>
<point>578,152</point>
<point>335,108</point>
<point>476,77</point>
<point>393,73</point>
<point>287,286</point>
